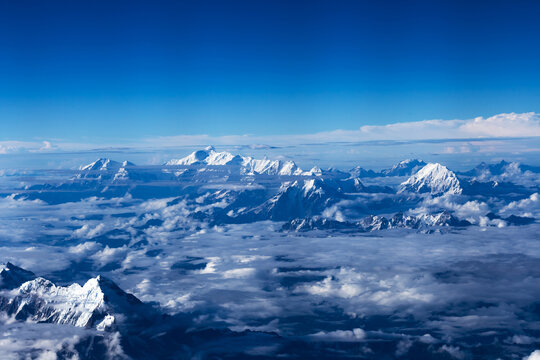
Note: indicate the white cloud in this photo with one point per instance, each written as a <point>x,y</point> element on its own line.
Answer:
<point>535,355</point>
<point>238,273</point>
<point>109,255</point>
<point>527,207</point>
<point>472,210</point>
<point>87,231</point>
<point>452,351</point>
<point>463,149</point>
<point>356,334</point>
<point>13,146</point>
<point>501,125</point>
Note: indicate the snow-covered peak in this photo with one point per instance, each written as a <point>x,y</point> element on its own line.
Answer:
<point>207,156</point>
<point>311,186</point>
<point>404,168</point>
<point>305,187</point>
<point>90,305</point>
<point>314,171</point>
<point>102,164</point>
<point>433,178</point>
<point>249,166</point>
<point>271,167</point>
<point>87,298</point>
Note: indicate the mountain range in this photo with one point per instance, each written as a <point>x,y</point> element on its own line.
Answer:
<point>226,188</point>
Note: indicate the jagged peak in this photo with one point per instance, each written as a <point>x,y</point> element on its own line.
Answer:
<point>95,293</point>
<point>39,286</point>
<point>12,276</point>
<point>434,178</point>
<point>404,167</point>
<point>9,266</point>
<point>208,156</point>
<point>433,167</point>
<point>250,166</point>
<point>102,164</point>
<point>91,305</point>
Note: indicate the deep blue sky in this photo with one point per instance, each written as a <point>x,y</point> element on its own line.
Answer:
<point>102,70</point>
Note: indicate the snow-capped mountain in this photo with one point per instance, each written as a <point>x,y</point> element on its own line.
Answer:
<point>485,170</point>
<point>433,178</point>
<point>206,245</point>
<point>310,223</point>
<point>249,166</point>
<point>222,188</point>
<point>377,222</point>
<point>505,172</point>
<point>444,218</point>
<point>104,164</point>
<point>374,223</point>
<point>207,156</point>
<point>95,304</point>
<point>404,168</point>
<point>105,169</point>
<point>301,198</point>
<point>360,172</point>
<point>12,276</point>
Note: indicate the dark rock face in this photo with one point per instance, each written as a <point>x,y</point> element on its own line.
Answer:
<point>12,276</point>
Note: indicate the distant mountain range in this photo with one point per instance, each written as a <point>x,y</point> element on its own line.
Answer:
<point>238,189</point>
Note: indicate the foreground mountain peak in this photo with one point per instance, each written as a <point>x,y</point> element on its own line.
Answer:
<point>433,178</point>
<point>93,304</point>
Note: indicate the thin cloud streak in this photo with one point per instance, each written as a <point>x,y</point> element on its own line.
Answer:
<point>509,125</point>
<point>502,125</point>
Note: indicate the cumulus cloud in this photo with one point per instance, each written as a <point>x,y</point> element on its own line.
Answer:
<point>39,341</point>
<point>356,334</point>
<point>109,255</point>
<point>87,231</point>
<point>526,207</point>
<point>473,210</point>
<point>535,355</point>
<point>453,351</point>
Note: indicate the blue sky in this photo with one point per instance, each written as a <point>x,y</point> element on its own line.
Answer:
<point>119,71</point>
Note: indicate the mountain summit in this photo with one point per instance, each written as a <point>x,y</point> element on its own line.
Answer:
<point>433,178</point>
<point>249,166</point>
<point>404,168</point>
<point>12,276</point>
<point>95,304</point>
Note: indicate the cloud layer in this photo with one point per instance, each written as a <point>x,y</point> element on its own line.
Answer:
<point>502,125</point>
<point>497,126</point>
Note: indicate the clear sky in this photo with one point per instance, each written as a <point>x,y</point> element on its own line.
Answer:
<point>117,70</point>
